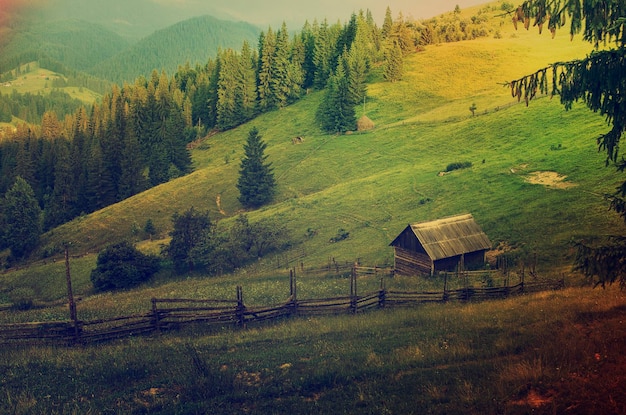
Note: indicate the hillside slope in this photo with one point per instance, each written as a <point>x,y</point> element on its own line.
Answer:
<point>372,184</point>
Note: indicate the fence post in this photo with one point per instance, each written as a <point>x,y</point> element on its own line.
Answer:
<point>445,287</point>
<point>155,315</point>
<point>382,294</point>
<point>353,290</point>
<point>70,294</point>
<point>240,307</point>
<point>294,291</point>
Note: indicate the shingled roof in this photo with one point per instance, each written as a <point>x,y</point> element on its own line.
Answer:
<point>449,237</point>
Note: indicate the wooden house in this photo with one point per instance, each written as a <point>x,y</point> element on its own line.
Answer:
<point>440,245</point>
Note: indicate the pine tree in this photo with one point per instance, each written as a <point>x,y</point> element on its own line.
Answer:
<point>227,111</point>
<point>99,191</point>
<point>62,205</point>
<point>175,141</point>
<point>281,83</point>
<point>387,24</point>
<point>24,225</point>
<point>308,66</point>
<point>394,63</point>
<point>336,112</point>
<point>256,179</point>
<point>323,55</point>
<point>267,54</point>
<point>212,94</point>
<point>246,85</point>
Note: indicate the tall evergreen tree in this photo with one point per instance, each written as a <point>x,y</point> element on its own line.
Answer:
<point>246,84</point>
<point>23,226</point>
<point>308,65</point>
<point>387,24</point>
<point>267,55</point>
<point>394,63</point>
<point>212,94</point>
<point>287,74</point>
<point>175,142</point>
<point>132,162</point>
<point>200,101</point>
<point>63,201</point>
<point>227,111</point>
<point>323,55</point>
<point>336,112</point>
<point>99,190</point>
<point>358,60</point>
<point>256,178</point>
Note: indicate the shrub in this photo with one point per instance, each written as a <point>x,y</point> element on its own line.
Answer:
<point>341,235</point>
<point>122,266</point>
<point>459,165</point>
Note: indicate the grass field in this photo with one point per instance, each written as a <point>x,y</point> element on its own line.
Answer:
<point>36,80</point>
<point>553,352</point>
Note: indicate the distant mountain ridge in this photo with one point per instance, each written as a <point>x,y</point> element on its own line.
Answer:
<point>76,44</point>
<point>194,40</point>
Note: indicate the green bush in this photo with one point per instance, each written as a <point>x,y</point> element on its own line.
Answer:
<point>459,165</point>
<point>122,266</point>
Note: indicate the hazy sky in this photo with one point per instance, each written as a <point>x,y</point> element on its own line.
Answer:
<point>258,12</point>
<point>297,11</point>
<point>271,11</point>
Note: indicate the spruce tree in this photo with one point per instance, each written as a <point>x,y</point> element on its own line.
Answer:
<point>308,66</point>
<point>387,24</point>
<point>256,179</point>
<point>227,111</point>
<point>62,205</point>
<point>323,55</point>
<point>336,112</point>
<point>267,55</point>
<point>246,85</point>
<point>394,63</point>
<point>23,215</point>
<point>281,84</point>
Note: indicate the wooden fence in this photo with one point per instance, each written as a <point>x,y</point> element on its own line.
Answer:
<point>170,314</point>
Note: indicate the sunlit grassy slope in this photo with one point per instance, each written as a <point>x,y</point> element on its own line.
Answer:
<point>372,184</point>
<point>39,81</point>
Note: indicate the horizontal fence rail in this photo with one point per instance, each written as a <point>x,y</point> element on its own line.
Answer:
<point>171,314</point>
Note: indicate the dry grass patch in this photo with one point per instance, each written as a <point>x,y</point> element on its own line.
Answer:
<point>550,179</point>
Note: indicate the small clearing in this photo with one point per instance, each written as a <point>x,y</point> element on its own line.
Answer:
<point>549,179</point>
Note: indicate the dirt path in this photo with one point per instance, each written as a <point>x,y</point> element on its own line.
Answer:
<point>218,202</point>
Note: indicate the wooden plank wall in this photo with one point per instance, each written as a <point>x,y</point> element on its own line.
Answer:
<point>411,263</point>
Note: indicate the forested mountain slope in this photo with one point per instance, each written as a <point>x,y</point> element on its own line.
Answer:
<point>194,40</point>
<point>77,44</point>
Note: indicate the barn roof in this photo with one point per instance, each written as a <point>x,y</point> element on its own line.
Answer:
<point>449,237</point>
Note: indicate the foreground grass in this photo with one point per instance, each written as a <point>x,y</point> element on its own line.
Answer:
<point>546,353</point>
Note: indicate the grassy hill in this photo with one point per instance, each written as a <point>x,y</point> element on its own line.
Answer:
<point>546,353</point>
<point>372,184</point>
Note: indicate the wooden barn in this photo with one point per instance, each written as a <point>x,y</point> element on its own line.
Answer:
<point>440,245</point>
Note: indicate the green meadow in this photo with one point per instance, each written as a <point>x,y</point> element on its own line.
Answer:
<point>541,353</point>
